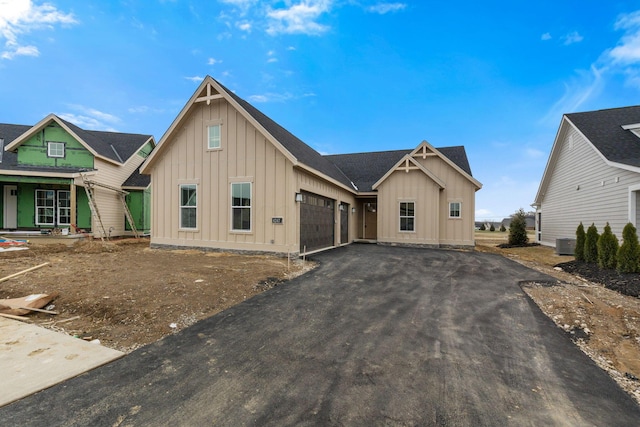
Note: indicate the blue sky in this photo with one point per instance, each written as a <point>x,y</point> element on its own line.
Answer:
<point>343,75</point>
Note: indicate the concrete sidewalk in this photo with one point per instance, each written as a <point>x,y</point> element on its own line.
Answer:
<point>33,358</point>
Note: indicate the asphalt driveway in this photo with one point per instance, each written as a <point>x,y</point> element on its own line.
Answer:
<point>374,336</point>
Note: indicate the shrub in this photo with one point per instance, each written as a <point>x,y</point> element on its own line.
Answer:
<point>502,228</point>
<point>518,229</point>
<point>591,244</point>
<point>580,237</point>
<point>483,228</point>
<point>607,249</point>
<point>629,252</point>
<point>492,228</point>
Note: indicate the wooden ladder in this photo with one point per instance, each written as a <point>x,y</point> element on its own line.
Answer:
<point>89,187</point>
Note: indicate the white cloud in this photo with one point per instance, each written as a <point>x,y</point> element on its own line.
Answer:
<point>20,51</point>
<point>571,38</point>
<point>19,17</point>
<point>628,49</point>
<point>271,97</point>
<point>299,18</point>
<point>383,8</point>
<point>213,61</point>
<point>244,26</point>
<point>272,60</point>
<point>90,118</point>
<point>583,87</point>
<point>545,36</point>
<point>195,79</point>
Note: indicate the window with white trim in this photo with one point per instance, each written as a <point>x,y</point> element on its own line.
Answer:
<point>188,206</point>
<point>45,207</point>
<point>407,216</point>
<point>214,138</point>
<point>455,209</point>
<point>241,206</point>
<point>55,149</point>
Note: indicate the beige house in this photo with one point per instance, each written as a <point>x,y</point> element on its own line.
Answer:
<point>225,176</point>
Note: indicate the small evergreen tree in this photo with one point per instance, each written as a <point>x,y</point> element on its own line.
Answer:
<point>591,244</point>
<point>629,252</point>
<point>518,229</point>
<point>492,228</point>
<point>607,249</point>
<point>580,238</point>
<point>482,227</point>
<point>502,229</point>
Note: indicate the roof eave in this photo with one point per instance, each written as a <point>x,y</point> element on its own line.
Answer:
<point>325,177</point>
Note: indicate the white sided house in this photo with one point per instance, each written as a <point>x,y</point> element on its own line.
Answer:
<point>592,175</point>
<point>226,177</point>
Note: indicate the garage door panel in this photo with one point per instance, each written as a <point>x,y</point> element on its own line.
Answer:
<point>316,222</point>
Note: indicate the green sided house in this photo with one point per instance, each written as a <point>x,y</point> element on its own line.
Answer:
<point>45,168</point>
<point>225,176</point>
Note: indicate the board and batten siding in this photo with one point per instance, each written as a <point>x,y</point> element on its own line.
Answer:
<point>413,186</point>
<point>245,155</point>
<point>583,188</point>
<point>432,223</point>
<point>453,231</point>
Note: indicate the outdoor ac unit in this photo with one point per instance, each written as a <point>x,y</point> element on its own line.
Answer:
<point>565,246</point>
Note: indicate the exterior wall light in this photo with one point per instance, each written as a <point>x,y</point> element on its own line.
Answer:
<point>298,197</point>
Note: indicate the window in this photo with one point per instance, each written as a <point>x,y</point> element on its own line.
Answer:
<point>454,210</point>
<point>55,149</point>
<point>64,207</point>
<point>188,206</point>
<point>213,133</point>
<point>45,207</point>
<point>241,206</point>
<point>407,216</point>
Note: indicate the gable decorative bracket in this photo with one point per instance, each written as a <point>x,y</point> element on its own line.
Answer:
<point>424,152</point>
<point>407,166</point>
<point>209,96</point>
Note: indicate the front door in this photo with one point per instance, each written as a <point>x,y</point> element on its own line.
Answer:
<point>370,221</point>
<point>10,203</point>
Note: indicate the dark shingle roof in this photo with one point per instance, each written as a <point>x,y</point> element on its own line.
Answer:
<point>301,151</point>
<point>10,132</point>
<point>112,145</point>
<point>365,169</point>
<point>603,129</point>
<point>361,169</point>
<point>137,180</point>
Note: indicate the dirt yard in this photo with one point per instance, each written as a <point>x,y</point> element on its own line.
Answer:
<point>602,322</point>
<point>127,295</point>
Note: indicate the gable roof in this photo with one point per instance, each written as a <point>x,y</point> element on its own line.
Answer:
<point>377,164</point>
<point>344,169</point>
<point>604,129</point>
<point>114,147</point>
<point>291,146</point>
<point>607,131</point>
<point>365,169</point>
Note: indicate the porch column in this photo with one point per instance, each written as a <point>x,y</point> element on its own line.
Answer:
<point>72,200</point>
